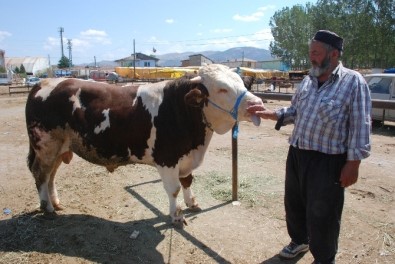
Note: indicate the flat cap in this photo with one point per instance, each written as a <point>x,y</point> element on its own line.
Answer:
<point>329,38</point>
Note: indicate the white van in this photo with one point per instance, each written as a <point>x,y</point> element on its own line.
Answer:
<point>382,86</point>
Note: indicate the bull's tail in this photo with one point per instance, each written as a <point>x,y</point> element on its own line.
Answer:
<point>31,157</point>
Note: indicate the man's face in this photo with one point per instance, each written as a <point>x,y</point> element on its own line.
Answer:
<point>319,58</point>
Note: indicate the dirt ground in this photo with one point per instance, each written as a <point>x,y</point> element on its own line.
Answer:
<point>104,210</point>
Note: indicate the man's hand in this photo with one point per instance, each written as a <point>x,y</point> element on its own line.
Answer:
<point>262,112</point>
<point>349,173</point>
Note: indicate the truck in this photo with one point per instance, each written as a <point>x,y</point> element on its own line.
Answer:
<point>6,77</point>
<point>382,87</point>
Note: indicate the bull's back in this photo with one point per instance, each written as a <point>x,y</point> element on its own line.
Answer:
<point>104,124</point>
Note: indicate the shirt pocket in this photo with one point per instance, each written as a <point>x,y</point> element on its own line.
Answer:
<point>302,99</point>
<point>329,110</point>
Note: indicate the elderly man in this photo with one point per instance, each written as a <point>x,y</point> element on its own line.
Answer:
<point>331,115</point>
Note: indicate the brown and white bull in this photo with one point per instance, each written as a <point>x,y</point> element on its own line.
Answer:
<point>167,125</point>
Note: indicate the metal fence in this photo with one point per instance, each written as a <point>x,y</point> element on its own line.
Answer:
<point>376,103</point>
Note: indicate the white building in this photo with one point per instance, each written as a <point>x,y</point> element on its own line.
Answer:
<point>196,60</point>
<point>140,60</point>
<point>32,65</point>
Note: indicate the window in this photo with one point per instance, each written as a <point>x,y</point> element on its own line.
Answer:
<point>380,85</point>
<point>147,64</point>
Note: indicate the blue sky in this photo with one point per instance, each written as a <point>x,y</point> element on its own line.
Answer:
<point>106,29</point>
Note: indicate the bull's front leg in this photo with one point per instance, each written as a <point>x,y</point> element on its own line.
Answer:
<point>189,197</point>
<point>172,186</point>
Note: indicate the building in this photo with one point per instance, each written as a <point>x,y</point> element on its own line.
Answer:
<point>248,63</point>
<point>196,60</point>
<point>141,60</point>
<point>33,65</point>
<point>275,64</point>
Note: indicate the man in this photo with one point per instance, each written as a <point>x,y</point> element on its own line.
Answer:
<point>331,112</point>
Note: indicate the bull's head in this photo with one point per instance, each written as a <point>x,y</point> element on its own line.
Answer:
<point>227,98</point>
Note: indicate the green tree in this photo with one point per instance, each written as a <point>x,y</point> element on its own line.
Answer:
<point>367,26</point>
<point>22,69</point>
<point>2,70</point>
<point>64,62</point>
<point>291,30</point>
<point>384,22</point>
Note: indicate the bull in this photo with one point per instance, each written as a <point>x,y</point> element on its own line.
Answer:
<point>167,125</point>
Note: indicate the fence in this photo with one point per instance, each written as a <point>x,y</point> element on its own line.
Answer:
<point>19,89</point>
<point>383,104</point>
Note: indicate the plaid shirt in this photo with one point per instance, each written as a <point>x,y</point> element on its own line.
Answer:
<point>332,119</point>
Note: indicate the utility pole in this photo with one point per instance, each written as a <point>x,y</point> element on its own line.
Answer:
<point>69,48</point>
<point>134,60</point>
<point>49,71</point>
<point>61,30</point>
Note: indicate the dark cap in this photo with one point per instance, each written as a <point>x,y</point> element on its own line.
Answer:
<point>329,38</point>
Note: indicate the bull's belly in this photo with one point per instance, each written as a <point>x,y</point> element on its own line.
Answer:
<point>110,160</point>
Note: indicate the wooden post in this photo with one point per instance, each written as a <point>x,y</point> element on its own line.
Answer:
<point>383,118</point>
<point>234,166</point>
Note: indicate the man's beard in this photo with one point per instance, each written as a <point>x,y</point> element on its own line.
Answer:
<point>317,70</point>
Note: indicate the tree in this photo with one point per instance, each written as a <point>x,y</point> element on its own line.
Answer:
<point>291,31</point>
<point>22,69</point>
<point>367,26</point>
<point>64,62</point>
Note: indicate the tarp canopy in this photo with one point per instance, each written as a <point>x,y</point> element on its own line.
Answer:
<point>155,72</point>
<point>177,72</point>
<point>262,74</point>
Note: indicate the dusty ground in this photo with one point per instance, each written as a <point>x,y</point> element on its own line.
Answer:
<point>102,210</point>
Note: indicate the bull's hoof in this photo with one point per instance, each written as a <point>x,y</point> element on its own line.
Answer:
<point>195,208</point>
<point>58,207</point>
<point>179,223</point>
<point>178,219</point>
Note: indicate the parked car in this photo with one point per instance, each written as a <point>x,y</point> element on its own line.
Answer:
<point>382,86</point>
<point>112,77</point>
<point>31,81</point>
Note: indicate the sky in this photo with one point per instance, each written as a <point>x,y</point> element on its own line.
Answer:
<point>112,30</point>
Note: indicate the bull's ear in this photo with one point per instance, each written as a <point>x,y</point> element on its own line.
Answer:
<point>197,96</point>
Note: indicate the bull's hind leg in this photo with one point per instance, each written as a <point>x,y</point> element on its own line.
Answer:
<point>44,174</point>
<point>44,159</point>
<point>189,198</point>
<point>52,191</point>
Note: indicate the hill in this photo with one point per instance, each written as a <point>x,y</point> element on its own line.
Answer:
<point>174,59</point>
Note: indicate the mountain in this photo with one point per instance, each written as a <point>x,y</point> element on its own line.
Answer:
<point>102,64</point>
<point>174,59</point>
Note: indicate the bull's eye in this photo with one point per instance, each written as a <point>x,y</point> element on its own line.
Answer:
<point>223,91</point>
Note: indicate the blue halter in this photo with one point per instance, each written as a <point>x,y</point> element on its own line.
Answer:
<point>233,112</point>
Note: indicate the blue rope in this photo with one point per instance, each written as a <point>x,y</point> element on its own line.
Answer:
<point>233,112</point>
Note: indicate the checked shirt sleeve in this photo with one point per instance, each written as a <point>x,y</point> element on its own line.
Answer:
<point>359,140</point>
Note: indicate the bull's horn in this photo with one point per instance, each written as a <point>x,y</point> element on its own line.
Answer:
<point>197,79</point>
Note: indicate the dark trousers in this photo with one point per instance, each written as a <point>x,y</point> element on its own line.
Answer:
<point>314,201</point>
